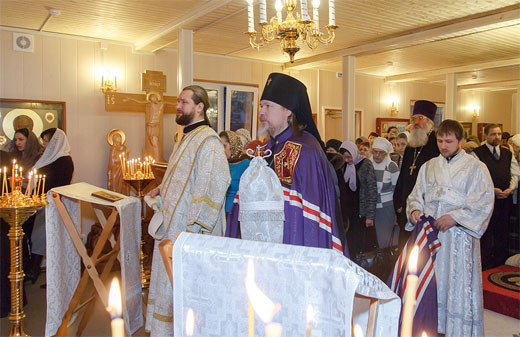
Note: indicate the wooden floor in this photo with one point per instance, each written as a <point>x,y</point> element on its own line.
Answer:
<point>496,325</point>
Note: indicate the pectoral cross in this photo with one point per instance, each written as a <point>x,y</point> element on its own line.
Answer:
<point>412,168</point>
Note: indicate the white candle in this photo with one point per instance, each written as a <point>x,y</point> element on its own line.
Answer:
<point>250,17</point>
<point>278,7</point>
<point>316,12</point>
<point>114,308</point>
<point>273,330</point>
<point>305,14</point>
<point>332,13</point>
<point>263,13</point>
<point>410,299</point>
<point>190,322</point>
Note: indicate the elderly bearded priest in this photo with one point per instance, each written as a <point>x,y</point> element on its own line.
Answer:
<point>422,146</point>
<point>193,192</point>
<point>300,164</point>
<point>457,191</point>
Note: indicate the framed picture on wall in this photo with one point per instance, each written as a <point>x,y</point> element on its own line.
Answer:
<point>480,130</point>
<point>468,128</point>
<point>34,115</point>
<point>382,124</point>
<point>438,114</point>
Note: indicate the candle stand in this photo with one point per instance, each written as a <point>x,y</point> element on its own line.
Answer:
<point>15,209</point>
<point>139,185</point>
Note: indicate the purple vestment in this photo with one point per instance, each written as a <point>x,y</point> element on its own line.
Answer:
<point>308,188</point>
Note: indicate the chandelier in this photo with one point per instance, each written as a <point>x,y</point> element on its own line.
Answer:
<point>295,26</point>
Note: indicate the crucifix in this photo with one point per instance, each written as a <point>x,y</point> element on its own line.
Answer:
<point>153,103</point>
<point>413,167</point>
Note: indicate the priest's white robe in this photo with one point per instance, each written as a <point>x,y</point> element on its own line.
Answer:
<point>193,191</point>
<point>463,189</point>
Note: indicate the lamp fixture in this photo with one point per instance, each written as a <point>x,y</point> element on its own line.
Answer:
<point>108,82</point>
<point>294,27</point>
<point>475,109</point>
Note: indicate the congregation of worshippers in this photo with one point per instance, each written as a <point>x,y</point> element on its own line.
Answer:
<point>367,199</point>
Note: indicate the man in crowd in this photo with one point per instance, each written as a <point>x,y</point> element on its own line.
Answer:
<point>400,146</point>
<point>300,164</point>
<point>422,146</point>
<point>457,191</point>
<point>503,168</point>
<point>193,193</point>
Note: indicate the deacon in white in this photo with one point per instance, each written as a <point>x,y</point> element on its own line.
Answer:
<point>193,192</point>
<point>457,190</point>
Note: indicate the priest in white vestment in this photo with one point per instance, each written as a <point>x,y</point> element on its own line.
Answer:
<point>455,189</point>
<point>192,196</point>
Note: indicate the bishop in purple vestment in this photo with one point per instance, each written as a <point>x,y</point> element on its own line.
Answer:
<point>300,163</point>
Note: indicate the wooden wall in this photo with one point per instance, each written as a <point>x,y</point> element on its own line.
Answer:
<point>67,69</point>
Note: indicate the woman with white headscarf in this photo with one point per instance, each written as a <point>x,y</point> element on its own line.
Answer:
<point>57,166</point>
<point>361,193</point>
<point>386,172</point>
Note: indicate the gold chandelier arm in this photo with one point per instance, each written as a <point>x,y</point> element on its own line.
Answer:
<point>253,41</point>
<point>331,30</point>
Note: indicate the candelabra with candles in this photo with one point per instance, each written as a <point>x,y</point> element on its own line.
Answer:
<point>138,174</point>
<point>293,27</point>
<point>15,208</point>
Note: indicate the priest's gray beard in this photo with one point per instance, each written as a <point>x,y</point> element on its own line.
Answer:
<point>419,136</point>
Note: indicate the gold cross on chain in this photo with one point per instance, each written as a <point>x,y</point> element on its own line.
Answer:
<point>412,168</point>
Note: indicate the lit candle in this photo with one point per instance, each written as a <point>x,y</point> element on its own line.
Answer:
<point>263,15</point>
<point>250,17</point>
<point>28,189</point>
<point>305,14</point>
<point>273,330</point>
<point>190,322</point>
<point>3,181</point>
<point>316,12</point>
<point>38,187</point>
<point>310,318</point>
<point>12,176</point>
<point>332,13</point>
<point>358,331</point>
<point>411,288</point>
<point>278,7</point>
<point>424,334</point>
<point>114,309</point>
<point>43,185</point>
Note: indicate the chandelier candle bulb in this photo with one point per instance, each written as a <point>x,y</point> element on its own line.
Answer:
<point>305,14</point>
<point>263,14</point>
<point>278,7</point>
<point>250,17</point>
<point>316,13</point>
<point>410,294</point>
<point>332,13</point>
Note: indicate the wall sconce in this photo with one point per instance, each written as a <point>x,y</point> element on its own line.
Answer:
<point>108,82</point>
<point>394,105</point>
<point>475,109</point>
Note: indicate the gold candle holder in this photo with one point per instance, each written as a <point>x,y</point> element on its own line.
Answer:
<point>15,208</point>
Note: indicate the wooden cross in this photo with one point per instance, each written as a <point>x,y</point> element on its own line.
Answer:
<point>151,81</point>
<point>412,168</point>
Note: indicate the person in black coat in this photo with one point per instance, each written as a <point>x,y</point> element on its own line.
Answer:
<point>422,146</point>
<point>57,166</point>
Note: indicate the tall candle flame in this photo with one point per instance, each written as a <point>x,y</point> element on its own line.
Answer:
<point>190,322</point>
<point>412,262</point>
<point>310,314</point>
<point>114,299</point>
<point>263,305</point>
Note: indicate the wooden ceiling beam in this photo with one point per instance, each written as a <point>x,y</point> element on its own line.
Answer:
<point>495,84</point>
<point>208,7</point>
<point>395,41</point>
<point>436,72</point>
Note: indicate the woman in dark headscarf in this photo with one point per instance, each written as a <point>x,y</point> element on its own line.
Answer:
<point>25,148</point>
<point>238,163</point>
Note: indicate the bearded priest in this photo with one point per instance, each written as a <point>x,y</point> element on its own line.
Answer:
<point>456,189</point>
<point>191,198</point>
<point>422,146</point>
